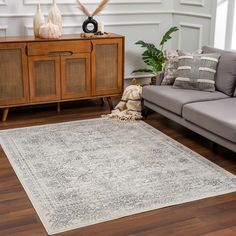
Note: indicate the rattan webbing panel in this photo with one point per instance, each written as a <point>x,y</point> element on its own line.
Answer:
<point>76,75</point>
<point>45,78</point>
<point>11,79</point>
<point>106,66</point>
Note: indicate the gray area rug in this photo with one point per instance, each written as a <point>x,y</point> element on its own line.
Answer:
<point>86,172</point>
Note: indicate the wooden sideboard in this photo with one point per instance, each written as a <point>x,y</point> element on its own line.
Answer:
<point>39,71</point>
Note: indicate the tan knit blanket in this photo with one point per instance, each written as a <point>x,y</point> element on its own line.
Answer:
<point>130,106</point>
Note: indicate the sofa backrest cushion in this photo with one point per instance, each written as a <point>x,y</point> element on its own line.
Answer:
<point>226,70</point>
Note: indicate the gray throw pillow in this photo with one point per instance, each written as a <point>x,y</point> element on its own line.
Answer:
<point>197,71</point>
<point>171,65</point>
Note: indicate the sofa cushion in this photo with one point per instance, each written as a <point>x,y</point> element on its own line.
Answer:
<point>173,99</point>
<point>219,116</point>
<point>197,71</point>
<point>226,70</point>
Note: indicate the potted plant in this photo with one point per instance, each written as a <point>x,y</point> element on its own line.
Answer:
<point>153,57</point>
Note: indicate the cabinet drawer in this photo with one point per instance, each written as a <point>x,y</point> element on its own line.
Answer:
<point>45,48</point>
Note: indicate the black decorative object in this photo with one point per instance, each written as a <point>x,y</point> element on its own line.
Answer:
<point>90,25</point>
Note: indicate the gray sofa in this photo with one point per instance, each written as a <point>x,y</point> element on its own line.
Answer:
<point>210,114</point>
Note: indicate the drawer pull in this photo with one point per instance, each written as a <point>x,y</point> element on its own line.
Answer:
<point>66,53</point>
<point>62,53</point>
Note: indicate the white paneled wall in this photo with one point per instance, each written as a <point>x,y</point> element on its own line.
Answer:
<point>196,21</point>
<point>136,19</point>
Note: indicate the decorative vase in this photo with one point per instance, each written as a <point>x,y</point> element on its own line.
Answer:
<point>49,31</point>
<point>54,16</point>
<point>90,25</point>
<point>101,27</point>
<point>39,20</point>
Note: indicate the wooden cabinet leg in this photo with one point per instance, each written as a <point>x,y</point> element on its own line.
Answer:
<point>5,114</point>
<point>102,102</point>
<point>58,107</point>
<point>110,103</point>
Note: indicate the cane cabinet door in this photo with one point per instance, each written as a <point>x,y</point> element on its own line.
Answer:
<point>75,76</point>
<point>107,66</point>
<point>44,76</point>
<point>13,74</point>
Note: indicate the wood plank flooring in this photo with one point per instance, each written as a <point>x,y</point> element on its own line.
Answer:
<point>209,217</point>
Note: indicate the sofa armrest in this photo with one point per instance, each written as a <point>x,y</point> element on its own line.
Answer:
<point>159,78</point>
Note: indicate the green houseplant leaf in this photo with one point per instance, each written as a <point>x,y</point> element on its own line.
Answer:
<point>167,35</point>
<point>152,56</point>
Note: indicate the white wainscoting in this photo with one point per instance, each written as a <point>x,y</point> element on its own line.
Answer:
<point>30,2</point>
<point>136,19</point>
<point>192,2</point>
<point>196,21</point>
<point>187,29</point>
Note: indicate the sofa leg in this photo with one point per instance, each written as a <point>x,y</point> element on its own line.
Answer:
<point>215,147</point>
<point>102,102</point>
<point>58,107</point>
<point>145,112</point>
<point>5,114</point>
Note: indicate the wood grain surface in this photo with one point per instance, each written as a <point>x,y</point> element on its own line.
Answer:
<point>209,217</point>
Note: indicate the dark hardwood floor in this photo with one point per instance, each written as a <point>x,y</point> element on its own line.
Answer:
<point>209,217</point>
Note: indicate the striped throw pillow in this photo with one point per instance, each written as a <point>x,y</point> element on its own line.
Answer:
<point>197,71</point>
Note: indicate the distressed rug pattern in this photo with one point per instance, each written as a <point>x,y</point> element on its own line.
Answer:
<point>86,172</point>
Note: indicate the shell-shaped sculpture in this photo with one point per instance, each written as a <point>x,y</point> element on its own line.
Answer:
<point>49,31</point>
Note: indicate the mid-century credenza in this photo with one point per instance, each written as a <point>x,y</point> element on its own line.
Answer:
<point>40,71</point>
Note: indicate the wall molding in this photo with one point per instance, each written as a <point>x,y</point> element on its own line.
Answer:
<point>121,13</point>
<point>192,3</point>
<point>69,14</point>
<point>73,2</point>
<point>157,23</point>
<point>192,26</point>
<point>192,14</point>
<point>108,13</point>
